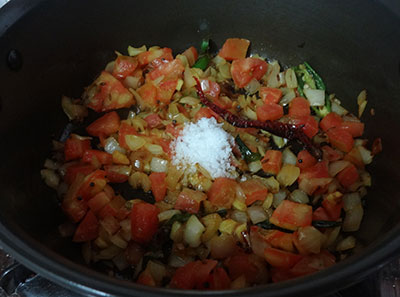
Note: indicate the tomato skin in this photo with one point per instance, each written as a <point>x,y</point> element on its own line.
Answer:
<point>210,88</point>
<point>124,66</point>
<point>299,107</point>
<point>144,222</point>
<point>105,125</point>
<point>205,112</point>
<point>348,176</point>
<point>222,192</point>
<point>331,120</point>
<point>88,229</point>
<point>75,147</point>
<point>272,161</point>
<point>193,275</point>
<point>340,139</point>
<point>307,160</point>
<point>244,70</point>
<point>102,157</point>
<point>153,120</point>
<point>356,129</point>
<point>270,95</point>
<point>254,190</point>
<point>291,215</point>
<point>281,259</point>
<point>191,55</point>
<point>75,169</point>
<point>330,154</point>
<point>234,48</point>
<point>219,279</point>
<point>310,125</point>
<point>158,185</point>
<point>269,112</point>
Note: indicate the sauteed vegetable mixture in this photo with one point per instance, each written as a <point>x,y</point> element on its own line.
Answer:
<point>251,173</point>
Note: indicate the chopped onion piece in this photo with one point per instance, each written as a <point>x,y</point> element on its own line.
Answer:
<point>257,214</point>
<point>73,111</point>
<point>362,102</point>
<point>288,157</point>
<point>278,198</point>
<point>288,97</point>
<point>189,100</point>
<point>155,149</point>
<point>50,178</point>
<point>299,196</point>
<point>239,216</point>
<point>337,166</point>
<point>346,244</point>
<point>111,145</point>
<point>193,230</point>
<point>353,218</point>
<point>337,108</point>
<point>132,82</point>
<point>291,79</point>
<point>166,215</point>
<point>158,165</point>
<point>255,166</point>
<point>134,142</point>
<point>315,97</point>
<point>366,155</point>
<point>351,200</point>
<point>310,239</point>
<point>288,175</point>
<point>134,51</point>
<point>252,87</point>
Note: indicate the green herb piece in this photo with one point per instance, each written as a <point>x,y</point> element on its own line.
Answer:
<point>319,83</point>
<point>267,225</point>
<point>204,57</point>
<point>247,154</point>
<point>181,218</point>
<point>326,224</point>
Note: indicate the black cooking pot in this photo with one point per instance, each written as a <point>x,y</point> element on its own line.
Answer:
<point>50,48</point>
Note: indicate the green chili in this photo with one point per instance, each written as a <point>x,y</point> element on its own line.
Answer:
<point>267,225</point>
<point>247,154</point>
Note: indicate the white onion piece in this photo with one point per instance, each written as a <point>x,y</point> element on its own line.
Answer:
<point>315,97</point>
<point>353,218</point>
<point>155,149</point>
<point>252,87</point>
<point>278,198</point>
<point>288,157</point>
<point>50,178</point>
<point>158,165</point>
<point>157,270</point>
<point>193,230</point>
<point>239,216</point>
<point>166,215</point>
<point>178,261</point>
<point>366,155</point>
<point>299,196</point>
<point>111,145</point>
<point>257,214</point>
<point>288,97</point>
<point>346,244</point>
<point>110,67</point>
<point>337,108</point>
<point>132,82</point>
<point>337,166</point>
<point>255,166</point>
<point>310,239</point>
<point>351,200</point>
<point>291,79</point>
<point>134,51</point>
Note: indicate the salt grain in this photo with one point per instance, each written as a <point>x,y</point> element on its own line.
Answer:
<point>204,143</point>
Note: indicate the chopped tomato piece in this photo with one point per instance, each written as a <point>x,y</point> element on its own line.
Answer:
<point>110,224</point>
<point>313,263</point>
<point>144,222</point>
<point>254,191</point>
<point>348,176</point>
<point>74,207</point>
<point>314,185</point>
<point>125,130</point>
<point>75,169</point>
<point>153,120</point>
<point>333,204</point>
<point>299,107</point>
<point>100,200</point>
<point>166,90</point>
<point>191,55</point>
<point>315,177</point>
<point>189,200</point>
<point>92,184</point>
<point>148,95</point>
<point>219,279</point>
<point>310,124</point>
<point>241,264</point>
<point>305,160</point>
<point>222,192</point>
<point>210,88</point>
<point>99,156</point>
<point>291,215</point>
<point>124,66</point>
<point>234,48</point>
<point>158,185</point>
<point>356,129</point>
<point>272,161</point>
<point>223,101</point>
<point>244,70</point>
<point>170,70</point>
<point>105,125</point>
<point>117,173</point>
<point>174,130</point>
<point>88,229</point>
<point>354,156</point>
<point>331,120</point>
<point>319,170</point>
<point>161,53</point>
<point>74,147</point>
<point>205,112</point>
<point>281,259</point>
<point>145,278</point>
<point>340,139</point>
<point>270,95</point>
<point>320,214</point>
<point>193,275</point>
<point>280,274</point>
<point>330,154</point>
<point>107,93</point>
<point>269,112</point>
<point>280,240</point>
